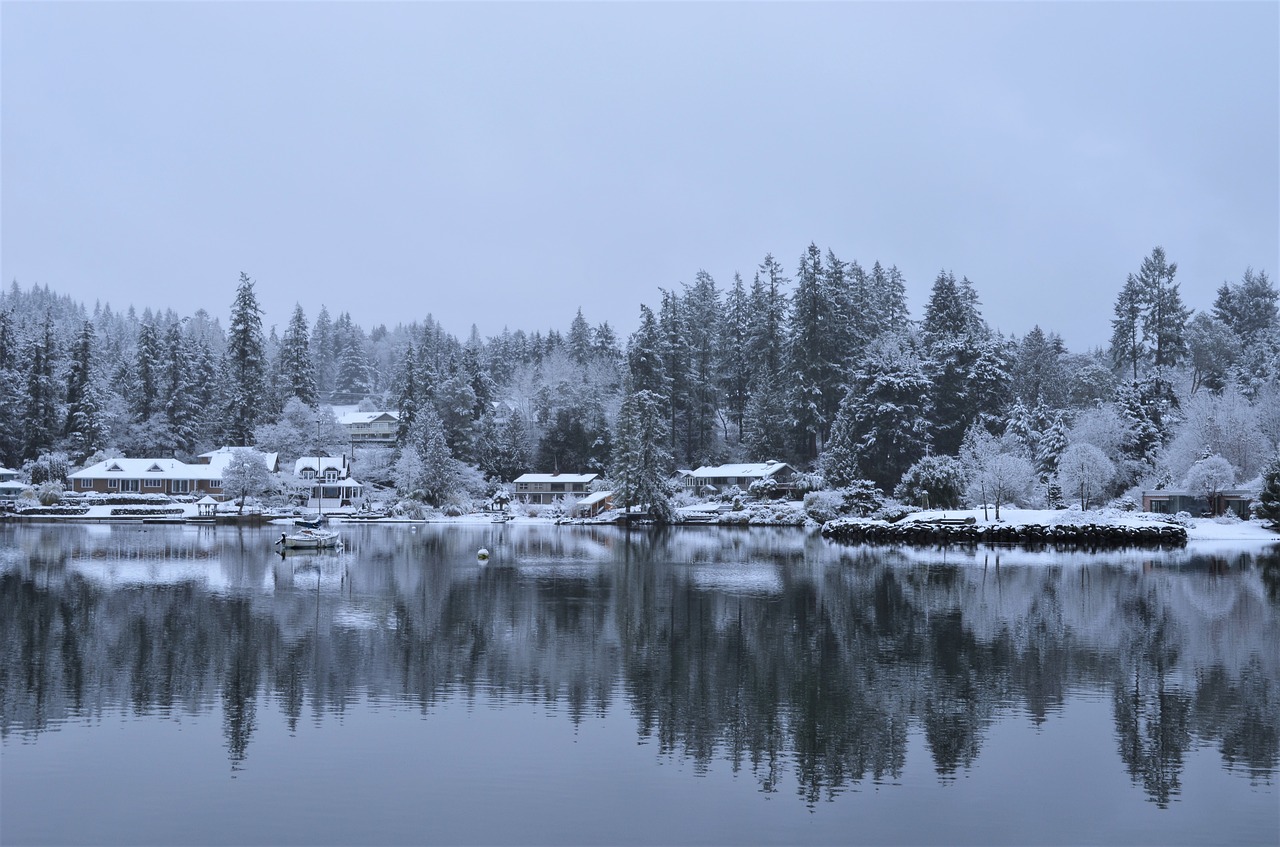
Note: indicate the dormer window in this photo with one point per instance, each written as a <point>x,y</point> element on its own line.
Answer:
<point>154,469</point>
<point>115,468</point>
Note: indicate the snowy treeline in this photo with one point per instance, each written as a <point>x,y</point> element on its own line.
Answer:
<point>823,368</point>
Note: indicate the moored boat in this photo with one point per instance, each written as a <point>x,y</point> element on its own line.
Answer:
<point>310,539</point>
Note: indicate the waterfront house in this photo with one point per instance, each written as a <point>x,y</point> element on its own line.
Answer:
<point>160,476</point>
<point>544,488</point>
<point>327,481</point>
<point>720,478</point>
<point>10,487</point>
<point>1170,502</point>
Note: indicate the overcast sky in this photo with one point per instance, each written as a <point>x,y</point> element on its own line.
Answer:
<point>503,165</point>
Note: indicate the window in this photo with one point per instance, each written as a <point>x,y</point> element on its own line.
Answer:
<point>129,485</point>
<point>154,483</point>
<point>179,486</point>
<point>113,483</point>
<point>84,483</point>
<point>557,486</point>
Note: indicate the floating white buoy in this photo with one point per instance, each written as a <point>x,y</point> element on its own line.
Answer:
<point>482,554</point>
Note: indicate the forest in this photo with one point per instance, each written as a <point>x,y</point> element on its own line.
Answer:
<point>822,367</point>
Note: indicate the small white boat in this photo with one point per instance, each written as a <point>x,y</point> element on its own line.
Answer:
<point>310,539</point>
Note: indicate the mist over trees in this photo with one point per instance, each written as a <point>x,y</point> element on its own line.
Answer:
<point>820,366</point>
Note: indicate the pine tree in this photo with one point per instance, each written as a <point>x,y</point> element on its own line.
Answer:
<point>353,379</point>
<point>966,364</point>
<point>1268,507</point>
<point>85,425</point>
<point>12,436</point>
<point>246,365</point>
<point>181,390</point>
<point>580,339</point>
<point>323,354</point>
<point>676,366</point>
<point>734,366</point>
<point>147,372</point>
<point>1127,347</point>
<point>1164,319</point>
<point>822,339</point>
<point>1249,308</point>
<point>436,473</point>
<point>41,417</point>
<point>882,427</point>
<point>702,303</point>
<point>297,367</point>
<point>641,462</point>
<point>406,388</point>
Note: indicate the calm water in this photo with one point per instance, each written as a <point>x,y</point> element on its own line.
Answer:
<point>176,685</point>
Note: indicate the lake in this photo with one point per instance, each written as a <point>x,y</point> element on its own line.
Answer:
<point>190,685</point>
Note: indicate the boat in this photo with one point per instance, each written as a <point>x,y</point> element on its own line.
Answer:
<point>310,539</point>
<point>311,521</point>
<point>503,518</point>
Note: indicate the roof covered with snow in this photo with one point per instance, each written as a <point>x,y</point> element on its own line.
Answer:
<point>222,456</point>
<point>557,477</point>
<point>326,463</point>
<point>595,497</point>
<point>748,469</point>
<point>349,418</point>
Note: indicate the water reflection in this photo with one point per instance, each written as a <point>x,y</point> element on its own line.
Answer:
<point>774,650</point>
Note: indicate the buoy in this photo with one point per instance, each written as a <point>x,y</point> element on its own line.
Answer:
<point>482,554</point>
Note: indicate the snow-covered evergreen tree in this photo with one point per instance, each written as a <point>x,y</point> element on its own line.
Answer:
<point>882,427</point>
<point>147,370</point>
<point>733,361</point>
<point>701,305</point>
<point>642,463</point>
<point>297,368</point>
<point>324,354</point>
<point>43,400</point>
<point>1268,507</point>
<point>246,365</point>
<point>819,348</point>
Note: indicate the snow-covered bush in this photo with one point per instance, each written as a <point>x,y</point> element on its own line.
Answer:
<point>893,511</point>
<point>763,489</point>
<point>1227,518</point>
<point>49,493</point>
<point>1183,519</point>
<point>933,482</point>
<point>861,497</point>
<point>824,506</point>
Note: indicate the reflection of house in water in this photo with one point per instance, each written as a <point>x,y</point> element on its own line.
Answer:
<point>326,481</point>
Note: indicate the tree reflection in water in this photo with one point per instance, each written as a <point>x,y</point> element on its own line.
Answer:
<point>773,650</point>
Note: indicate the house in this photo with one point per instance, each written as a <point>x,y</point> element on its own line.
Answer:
<point>160,476</point>
<point>326,481</point>
<point>593,504</point>
<point>370,429</point>
<point>708,480</point>
<point>543,488</point>
<point>1168,502</point>
<point>10,487</point>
